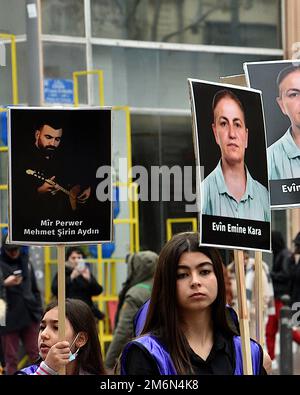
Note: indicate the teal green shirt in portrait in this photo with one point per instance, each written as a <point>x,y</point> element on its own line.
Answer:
<point>254,204</point>
<point>284,158</point>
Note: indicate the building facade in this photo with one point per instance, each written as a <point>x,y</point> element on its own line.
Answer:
<point>147,49</point>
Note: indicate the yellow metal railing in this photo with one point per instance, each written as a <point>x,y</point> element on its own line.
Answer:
<point>3,187</point>
<point>14,71</point>
<point>77,74</point>
<point>172,221</point>
<point>23,362</point>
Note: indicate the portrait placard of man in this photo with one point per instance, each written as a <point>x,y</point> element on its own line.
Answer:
<point>54,156</point>
<point>49,169</point>
<point>230,148</point>
<point>284,154</point>
<point>279,82</point>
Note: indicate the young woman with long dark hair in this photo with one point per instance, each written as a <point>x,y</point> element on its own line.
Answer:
<point>187,330</point>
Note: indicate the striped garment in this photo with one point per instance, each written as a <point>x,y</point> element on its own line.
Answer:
<point>45,370</point>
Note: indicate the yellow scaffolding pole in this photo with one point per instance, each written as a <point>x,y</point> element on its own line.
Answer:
<point>171,221</point>
<point>23,362</point>
<point>77,74</point>
<point>126,110</point>
<point>107,268</point>
<point>14,71</point>
<point>3,187</point>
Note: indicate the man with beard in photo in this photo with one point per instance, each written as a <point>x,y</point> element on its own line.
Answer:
<point>47,169</point>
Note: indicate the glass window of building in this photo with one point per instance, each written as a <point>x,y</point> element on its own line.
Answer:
<point>158,78</point>
<point>12,17</point>
<point>60,60</point>
<point>158,141</point>
<point>152,81</point>
<point>249,23</point>
<point>63,17</point>
<point>6,96</point>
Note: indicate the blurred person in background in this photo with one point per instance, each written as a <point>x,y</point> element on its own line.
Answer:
<point>24,306</point>
<point>80,282</point>
<point>136,290</point>
<point>295,281</point>
<point>280,274</point>
<point>2,319</point>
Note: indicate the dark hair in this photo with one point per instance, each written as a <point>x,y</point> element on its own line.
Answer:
<point>55,124</point>
<point>78,250</point>
<point>278,243</point>
<point>285,72</point>
<point>82,320</point>
<point>227,93</point>
<point>162,318</point>
<point>141,266</point>
<point>8,246</point>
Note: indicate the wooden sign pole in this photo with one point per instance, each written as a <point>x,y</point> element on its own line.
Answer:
<point>259,305</point>
<point>243,312</point>
<point>61,297</point>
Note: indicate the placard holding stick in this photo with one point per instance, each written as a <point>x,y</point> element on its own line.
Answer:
<point>276,80</point>
<point>258,294</point>
<point>243,312</point>
<point>61,296</point>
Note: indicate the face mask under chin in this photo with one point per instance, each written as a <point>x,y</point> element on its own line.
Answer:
<point>73,356</point>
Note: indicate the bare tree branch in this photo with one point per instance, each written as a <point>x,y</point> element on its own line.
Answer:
<point>131,15</point>
<point>155,20</point>
<point>194,24</point>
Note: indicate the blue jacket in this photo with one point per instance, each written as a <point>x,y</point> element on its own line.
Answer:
<point>163,359</point>
<point>165,364</point>
<point>28,370</point>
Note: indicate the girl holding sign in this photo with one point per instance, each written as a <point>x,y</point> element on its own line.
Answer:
<point>186,330</point>
<point>80,352</point>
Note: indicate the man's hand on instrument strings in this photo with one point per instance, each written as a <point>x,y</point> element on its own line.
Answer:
<point>48,188</point>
